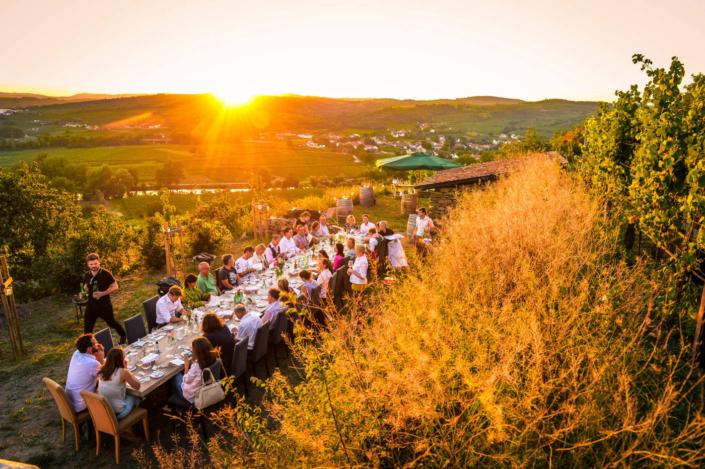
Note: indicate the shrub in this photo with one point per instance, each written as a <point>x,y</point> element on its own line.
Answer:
<point>206,235</point>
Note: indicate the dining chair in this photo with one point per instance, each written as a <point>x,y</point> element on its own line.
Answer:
<point>66,412</point>
<point>104,420</point>
<point>105,338</point>
<point>276,335</point>
<point>238,367</point>
<point>150,312</point>
<point>134,328</point>
<point>259,352</point>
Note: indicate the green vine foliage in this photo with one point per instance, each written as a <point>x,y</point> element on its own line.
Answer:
<point>644,157</point>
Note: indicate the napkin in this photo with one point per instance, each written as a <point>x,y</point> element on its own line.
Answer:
<point>152,357</point>
<point>177,362</point>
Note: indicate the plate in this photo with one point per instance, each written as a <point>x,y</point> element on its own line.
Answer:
<point>143,379</point>
<point>168,328</point>
<point>156,374</point>
<point>132,367</point>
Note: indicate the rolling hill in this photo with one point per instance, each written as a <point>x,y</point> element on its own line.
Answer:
<point>480,115</point>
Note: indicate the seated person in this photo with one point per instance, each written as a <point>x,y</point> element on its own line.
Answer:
<point>242,265</point>
<point>83,370</point>
<point>169,307</point>
<point>366,225</point>
<point>313,239</point>
<point>249,323</point>
<point>372,241</point>
<point>206,280</point>
<point>301,240</point>
<point>383,229</point>
<point>273,251</point>
<point>219,335</point>
<point>274,308</point>
<point>260,257</point>
<point>227,277</point>
<point>325,272</point>
<point>322,230</point>
<point>309,283</point>
<point>113,378</point>
<point>350,224</point>
<point>189,382</point>
<point>287,295</point>
<point>303,219</point>
<point>287,245</point>
<point>192,295</point>
<point>323,254</point>
<point>339,258</point>
<point>350,248</point>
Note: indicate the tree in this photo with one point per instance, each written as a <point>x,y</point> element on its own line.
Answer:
<point>169,174</point>
<point>34,216</point>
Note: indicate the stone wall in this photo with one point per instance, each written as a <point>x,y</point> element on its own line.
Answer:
<point>441,200</point>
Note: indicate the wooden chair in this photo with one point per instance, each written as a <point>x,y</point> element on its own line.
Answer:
<point>105,338</point>
<point>134,328</point>
<point>150,312</point>
<point>66,411</point>
<point>104,420</point>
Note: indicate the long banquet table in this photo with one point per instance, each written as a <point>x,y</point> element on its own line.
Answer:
<point>158,357</point>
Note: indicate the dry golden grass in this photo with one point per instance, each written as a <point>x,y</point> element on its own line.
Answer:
<point>522,342</point>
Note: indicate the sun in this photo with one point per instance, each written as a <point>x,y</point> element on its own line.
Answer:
<point>234,97</point>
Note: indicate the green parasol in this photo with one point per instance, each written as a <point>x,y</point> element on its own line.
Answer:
<point>417,160</point>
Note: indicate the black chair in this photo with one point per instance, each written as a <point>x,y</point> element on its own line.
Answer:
<point>150,312</point>
<point>275,335</point>
<point>238,367</point>
<point>259,352</point>
<point>105,338</point>
<point>134,328</point>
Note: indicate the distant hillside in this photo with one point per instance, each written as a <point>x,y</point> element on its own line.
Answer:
<point>480,115</point>
<point>24,100</point>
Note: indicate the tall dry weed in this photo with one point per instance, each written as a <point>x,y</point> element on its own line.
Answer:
<point>522,341</point>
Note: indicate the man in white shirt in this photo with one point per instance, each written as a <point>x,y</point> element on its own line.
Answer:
<point>242,265</point>
<point>169,307</point>
<point>83,370</point>
<point>259,258</point>
<point>424,225</point>
<point>249,323</point>
<point>366,225</point>
<point>273,250</point>
<point>274,308</point>
<point>287,244</point>
<point>358,273</point>
<point>322,227</point>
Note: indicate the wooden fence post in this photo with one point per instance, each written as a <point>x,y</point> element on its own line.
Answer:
<point>8,304</point>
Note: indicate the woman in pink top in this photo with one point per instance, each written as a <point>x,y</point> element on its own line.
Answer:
<point>339,256</point>
<point>188,383</point>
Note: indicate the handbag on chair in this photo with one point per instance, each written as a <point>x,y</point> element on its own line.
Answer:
<point>210,393</point>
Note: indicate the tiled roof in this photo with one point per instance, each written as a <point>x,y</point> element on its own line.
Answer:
<point>478,172</point>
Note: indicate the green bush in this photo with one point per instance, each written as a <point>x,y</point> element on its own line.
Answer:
<point>206,236</point>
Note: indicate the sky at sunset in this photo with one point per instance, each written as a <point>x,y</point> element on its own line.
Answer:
<point>385,48</point>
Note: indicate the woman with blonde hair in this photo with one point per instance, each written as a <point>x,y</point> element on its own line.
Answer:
<point>350,224</point>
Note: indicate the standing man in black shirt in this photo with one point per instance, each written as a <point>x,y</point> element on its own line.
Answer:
<point>100,283</point>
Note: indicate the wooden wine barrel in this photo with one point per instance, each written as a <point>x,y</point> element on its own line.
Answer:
<point>343,208</point>
<point>367,197</point>
<point>408,203</point>
<point>411,226</point>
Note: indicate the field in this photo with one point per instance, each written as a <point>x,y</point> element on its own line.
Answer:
<point>212,163</point>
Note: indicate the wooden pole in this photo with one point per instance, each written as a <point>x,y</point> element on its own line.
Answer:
<point>698,358</point>
<point>10,309</point>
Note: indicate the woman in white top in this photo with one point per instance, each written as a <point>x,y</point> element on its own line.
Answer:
<point>113,378</point>
<point>325,272</point>
<point>358,272</point>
